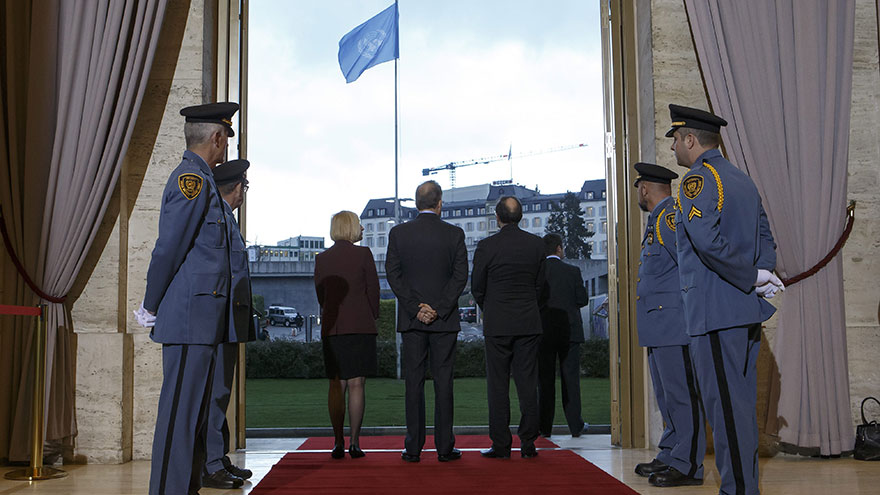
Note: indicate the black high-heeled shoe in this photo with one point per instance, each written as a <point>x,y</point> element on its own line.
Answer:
<point>354,451</point>
<point>338,451</point>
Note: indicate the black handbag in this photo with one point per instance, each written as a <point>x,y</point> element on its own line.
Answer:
<point>867,437</point>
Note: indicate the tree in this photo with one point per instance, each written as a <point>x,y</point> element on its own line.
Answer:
<point>566,219</point>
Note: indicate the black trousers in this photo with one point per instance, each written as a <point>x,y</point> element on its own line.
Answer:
<point>568,354</point>
<point>417,347</point>
<point>517,355</point>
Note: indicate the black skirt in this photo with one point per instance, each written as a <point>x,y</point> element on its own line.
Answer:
<point>350,355</point>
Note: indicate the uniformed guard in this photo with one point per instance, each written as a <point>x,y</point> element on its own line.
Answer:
<point>726,255</point>
<point>219,471</point>
<point>188,290</point>
<point>661,325</point>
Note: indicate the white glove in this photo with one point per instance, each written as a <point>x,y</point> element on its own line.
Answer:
<point>767,291</point>
<point>765,277</point>
<point>144,318</point>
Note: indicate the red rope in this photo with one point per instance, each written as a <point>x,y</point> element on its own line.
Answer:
<point>20,310</point>
<point>20,267</point>
<point>851,216</point>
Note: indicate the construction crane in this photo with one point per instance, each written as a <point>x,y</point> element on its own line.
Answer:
<point>452,166</point>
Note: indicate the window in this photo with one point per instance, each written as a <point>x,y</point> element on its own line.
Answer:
<point>380,226</point>
<point>536,222</point>
<point>482,226</point>
<point>537,206</point>
<point>444,214</point>
<point>604,246</point>
<point>527,207</point>
<point>591,226</point>
<point>368,227</point>
<point>469,227</point>
<point>381,241</point>
<point>590,211</point>
<point>456,213</point>
<point>602,210</point>
<point>483,210</point>
<point>604,227</point>
<point>470,212</point>
<point>381,212</point>
<point>603,194</point>
<point>380,257</point>
<point>370,212</point>
<point>321,244</point>
<point>368,241</point>
<point>492,224</point>
<point>524,224</point>
<point>590,195</point>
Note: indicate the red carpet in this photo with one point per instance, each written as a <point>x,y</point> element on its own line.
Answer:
<point>396,442</point>
<point>552,472</point>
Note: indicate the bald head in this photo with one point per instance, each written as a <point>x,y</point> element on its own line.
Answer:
<point>508,210</point>
<point>428,196</point>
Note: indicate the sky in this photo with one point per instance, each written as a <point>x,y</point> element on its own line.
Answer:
<point>475,78</point>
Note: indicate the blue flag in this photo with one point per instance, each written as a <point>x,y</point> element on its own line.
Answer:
<point>369,44</point>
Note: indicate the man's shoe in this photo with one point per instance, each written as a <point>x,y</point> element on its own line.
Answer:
<point>237,471</point>
<point>648,468</point>
<point>453,455</point>
<point>406,456</point>
<point>528,452</point>
<point>581,432</point>
<point>223,480</point>
<point>491,453</point>
<point>673,477</point>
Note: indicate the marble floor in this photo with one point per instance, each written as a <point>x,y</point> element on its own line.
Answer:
<point>781,475</point>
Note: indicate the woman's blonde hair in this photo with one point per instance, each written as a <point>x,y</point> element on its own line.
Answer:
<point>345,226</point>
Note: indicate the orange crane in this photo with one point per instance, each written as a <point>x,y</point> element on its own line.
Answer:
<point>452,166</point>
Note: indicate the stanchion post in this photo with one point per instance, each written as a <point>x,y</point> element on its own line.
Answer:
<point>37,471</point>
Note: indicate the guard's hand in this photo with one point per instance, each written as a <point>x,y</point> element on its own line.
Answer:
<point>765,277</point>
<point>145,318</point>
<point>767,291</point>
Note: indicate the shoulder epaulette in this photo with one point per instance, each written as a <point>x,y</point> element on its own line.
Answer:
<point>657,227</point>
<point>717,183</point>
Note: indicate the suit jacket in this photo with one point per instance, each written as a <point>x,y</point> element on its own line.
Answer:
<point>347,286</point>
<point>426,262</point>
<point>241,321</point>
<point>659,308</point>
<point>507,281</point>
<point>188,279</point>
<point>723,239</point>
<point>565,294</point>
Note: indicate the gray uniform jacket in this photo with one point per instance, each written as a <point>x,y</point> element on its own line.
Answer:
<point>723,239</point>
<point>241,328</point>
<point>188,282</point>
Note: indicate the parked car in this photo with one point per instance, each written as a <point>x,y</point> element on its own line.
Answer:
<point>284,315</point>
<point>468,314</point>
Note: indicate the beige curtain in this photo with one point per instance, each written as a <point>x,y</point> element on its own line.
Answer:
<point>781,73</point>
<point>74,80</point>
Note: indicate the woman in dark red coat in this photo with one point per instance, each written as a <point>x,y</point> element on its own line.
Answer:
<point>348,292</point>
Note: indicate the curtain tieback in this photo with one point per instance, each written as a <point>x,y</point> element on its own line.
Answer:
<point>20,267</point>
<point>851,216</point>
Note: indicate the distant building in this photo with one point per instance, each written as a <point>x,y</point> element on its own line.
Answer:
<point>473,209</point>
<point>300,248</point>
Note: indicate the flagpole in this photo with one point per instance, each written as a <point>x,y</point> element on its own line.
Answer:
<point>396,197</point>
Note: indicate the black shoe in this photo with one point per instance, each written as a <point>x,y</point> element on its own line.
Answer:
<point>491,453</point>
<point>648,468</point>
<point>583,430</point>
<point>355,452</point>
<point>528,452</point>
<point>223,480</point>
<point>237,471</point>
<point>453,455</point>
<point>406,456</point>
<point>338,451</point>
<point>672,477</point>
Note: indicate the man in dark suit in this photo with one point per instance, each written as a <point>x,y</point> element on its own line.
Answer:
<point>507,280</point>
<point>563,335</point>
<point>426,267</point>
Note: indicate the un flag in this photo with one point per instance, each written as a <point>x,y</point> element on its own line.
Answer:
<point>369,44</point>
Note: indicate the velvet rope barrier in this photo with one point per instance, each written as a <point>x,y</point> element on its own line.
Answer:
<point>5,309</point>
<point>851,215</point>
<point>18,266</point>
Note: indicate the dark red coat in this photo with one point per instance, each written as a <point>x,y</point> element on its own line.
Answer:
<point>347,286</point>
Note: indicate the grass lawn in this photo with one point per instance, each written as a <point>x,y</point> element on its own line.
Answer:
<point>292,403</point>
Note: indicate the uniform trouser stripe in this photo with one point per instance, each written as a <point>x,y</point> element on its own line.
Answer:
<point>695,408</point>
<point>171,420</point>
<point>727,408</point>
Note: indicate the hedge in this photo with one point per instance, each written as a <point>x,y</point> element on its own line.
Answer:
<point>292,359</point>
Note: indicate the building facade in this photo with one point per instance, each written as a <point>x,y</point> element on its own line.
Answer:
<point>299,248</point>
